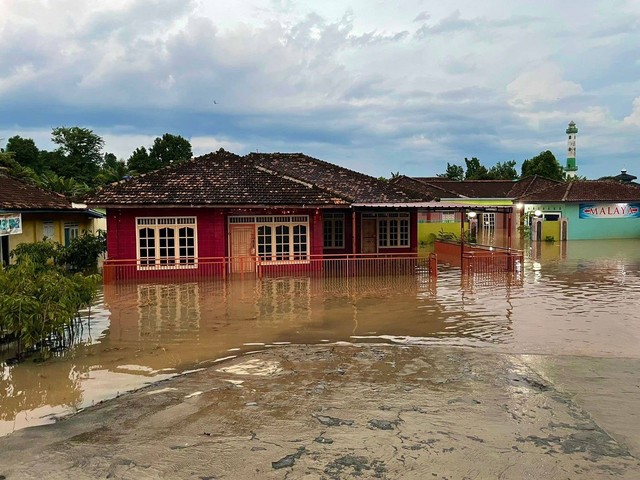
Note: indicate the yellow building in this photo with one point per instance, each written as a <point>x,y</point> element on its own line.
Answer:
<point>29,214</point>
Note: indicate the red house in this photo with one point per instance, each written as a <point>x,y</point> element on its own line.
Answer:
<point>221,213</point>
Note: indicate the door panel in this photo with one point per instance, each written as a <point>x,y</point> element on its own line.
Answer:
<point>369,238</point>
<point>242,248</point>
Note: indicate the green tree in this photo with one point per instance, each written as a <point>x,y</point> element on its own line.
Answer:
<point>24,152</point>
<point>17,170</point>
<point>140,162</point>
<point>112,170</point>
<point>82,152</point>
<point>170,149</point>
<point>50,161</point>
<point>166,150</point>
<point>504,171</point>
<point>66,186</point>
<point>543,164</point>
<point>475,171</point>
<point>453,172</point>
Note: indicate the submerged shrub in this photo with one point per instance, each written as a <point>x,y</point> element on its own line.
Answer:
<point>40,300</point>
<point>81,255</point>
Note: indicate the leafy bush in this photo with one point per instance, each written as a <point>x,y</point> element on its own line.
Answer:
<point>42,293</point>
<point>447,236</point>
<point>41,254</point>
<point>81,255</point>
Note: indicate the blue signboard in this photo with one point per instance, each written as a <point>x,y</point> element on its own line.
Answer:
<point>610,210</point>
<point>10,224</point>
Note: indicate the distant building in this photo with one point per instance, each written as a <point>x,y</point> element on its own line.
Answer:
<point>624,177</point>
<point>571,167</point>
<point>584,210</point>
<point>29,214</point>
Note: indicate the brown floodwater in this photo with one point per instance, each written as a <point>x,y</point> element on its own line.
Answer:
<point>579,298</point>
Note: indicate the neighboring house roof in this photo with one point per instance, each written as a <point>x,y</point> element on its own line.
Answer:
<point>422,187</point>
<point>18,195</point>
<point>531,184</point>
<point>447,188</point>
<point>223,178</point>
<point>355,186</point>
<point>586,191</point>
<point>475,188</point>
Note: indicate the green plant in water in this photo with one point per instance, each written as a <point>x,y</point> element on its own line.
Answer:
<point>525,230</point>
<point>40,300</point>
<point>549,238</point>
<point>447,236</point>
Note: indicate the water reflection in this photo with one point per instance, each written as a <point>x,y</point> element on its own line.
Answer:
<point>581,300</point>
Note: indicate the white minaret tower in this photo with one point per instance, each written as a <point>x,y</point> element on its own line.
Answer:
<point>571,167</point>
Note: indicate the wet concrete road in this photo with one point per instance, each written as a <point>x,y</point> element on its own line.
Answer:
<point>355,412</point>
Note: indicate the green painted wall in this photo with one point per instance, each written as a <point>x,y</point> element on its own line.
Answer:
<point>428,231</point>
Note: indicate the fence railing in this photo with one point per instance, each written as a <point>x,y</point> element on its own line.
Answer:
<point>494,260</point>
<point>335,266</point>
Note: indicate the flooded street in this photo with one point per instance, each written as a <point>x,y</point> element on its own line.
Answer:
<point>580,299</point>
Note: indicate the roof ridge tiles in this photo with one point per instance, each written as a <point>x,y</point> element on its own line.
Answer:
<point>567,191</point>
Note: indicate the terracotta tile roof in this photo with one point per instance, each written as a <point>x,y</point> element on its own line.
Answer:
<point>220,178</point>
<point>475,188</point>
<point>531,184</point>
<point>355,186</point>
<point>16,194</point>
<point>422,187</point>
<point>586,191</point>
<point>223,178</point>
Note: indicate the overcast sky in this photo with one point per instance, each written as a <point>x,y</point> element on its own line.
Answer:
<point>376,86</point>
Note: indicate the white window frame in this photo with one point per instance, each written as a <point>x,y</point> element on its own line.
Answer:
<point>447,217</point>
<point>48,225</point>
<point>74,232</point>
<point>279,230</point>
<point>333,229</point>
<point>161,259</point>
<point>489,221</point>
<point>393,229</point>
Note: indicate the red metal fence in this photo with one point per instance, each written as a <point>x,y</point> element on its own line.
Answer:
<point>480,261</point>
<point>332,266</point>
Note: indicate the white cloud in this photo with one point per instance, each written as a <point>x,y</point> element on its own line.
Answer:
<point>542,84</point>
<point>633,118</point>
<point>366,83</point>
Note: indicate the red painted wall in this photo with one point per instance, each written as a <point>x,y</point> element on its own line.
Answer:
<point>348,232</point>
<point>213,231</point>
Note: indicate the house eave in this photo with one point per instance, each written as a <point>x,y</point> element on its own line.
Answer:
<point>213,206</point>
